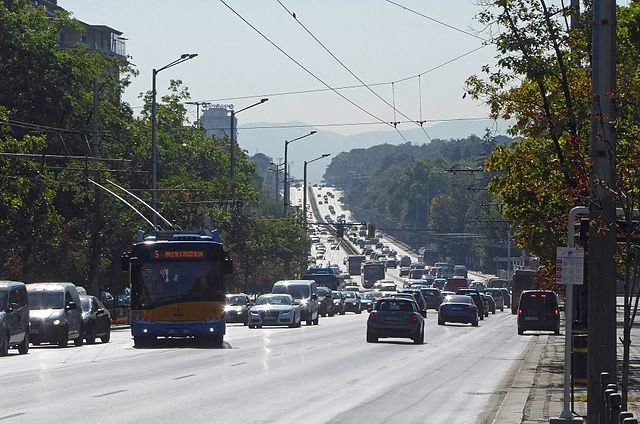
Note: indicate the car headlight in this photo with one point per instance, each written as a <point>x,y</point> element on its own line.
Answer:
<point>286,312</point>
<point>256,313</point>
<point>56,322</point>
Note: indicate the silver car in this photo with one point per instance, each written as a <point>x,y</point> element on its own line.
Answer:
<point>275,309</point>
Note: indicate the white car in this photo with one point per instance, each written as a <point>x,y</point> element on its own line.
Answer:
<point>275,309</point>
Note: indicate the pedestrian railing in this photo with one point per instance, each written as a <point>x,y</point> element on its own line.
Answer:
<point>611,399</point>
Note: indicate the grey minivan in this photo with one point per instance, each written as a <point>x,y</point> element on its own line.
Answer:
<point>305,294</point>
<point>14,317</point>
<point>56,315</point>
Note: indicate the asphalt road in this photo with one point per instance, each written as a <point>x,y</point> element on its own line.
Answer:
<point>318,374</point>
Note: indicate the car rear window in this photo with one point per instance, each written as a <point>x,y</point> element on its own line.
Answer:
<point>395,306</point>
<point>536,303</point>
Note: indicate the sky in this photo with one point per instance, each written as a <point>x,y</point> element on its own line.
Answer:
<point>379,41</point>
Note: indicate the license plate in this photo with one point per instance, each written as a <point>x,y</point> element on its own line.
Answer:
<point>392,319</point>
<point>531,318</point>
<point>456,308</point>
<point>35,331</point>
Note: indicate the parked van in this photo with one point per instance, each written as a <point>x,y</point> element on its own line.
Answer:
<point>14,317</point>
<point>55,313</point>
<point>538,310</point>
<point>456,283</point>
<point>305,294</point>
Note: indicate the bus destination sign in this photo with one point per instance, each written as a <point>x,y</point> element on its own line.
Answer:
<point>179,254</point>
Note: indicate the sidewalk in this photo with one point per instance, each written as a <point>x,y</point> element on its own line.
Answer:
<point>536,393</point>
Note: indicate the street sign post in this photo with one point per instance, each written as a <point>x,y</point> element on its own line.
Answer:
<point>570,266</point>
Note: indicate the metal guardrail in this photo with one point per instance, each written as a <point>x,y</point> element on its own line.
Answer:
<point>611,410</point>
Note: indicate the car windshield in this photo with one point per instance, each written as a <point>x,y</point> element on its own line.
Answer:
<point>85,303</point>
<point>236,300</point>
<point>322,292</point>
<point>4,296</point>
<point>350,294</point>
<point>273,300</point>
<point>429,293</point>
<point>538,304</point>
<point>46,300</point>
<point>296,291</point>
<point>368,295</point>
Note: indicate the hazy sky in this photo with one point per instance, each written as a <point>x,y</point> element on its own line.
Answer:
<point>377,40</point>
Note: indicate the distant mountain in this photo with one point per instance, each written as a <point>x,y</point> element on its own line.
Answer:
<point>270,141</point>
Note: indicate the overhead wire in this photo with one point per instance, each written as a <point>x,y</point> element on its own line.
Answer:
<point>305,68</point>
<point>436,20</point>
<point>348,69</point>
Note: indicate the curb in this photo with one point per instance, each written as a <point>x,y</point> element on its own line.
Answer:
<point>511,409</point>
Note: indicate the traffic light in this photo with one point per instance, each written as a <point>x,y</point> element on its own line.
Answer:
<point>340,230</point>
<point>371,231</point>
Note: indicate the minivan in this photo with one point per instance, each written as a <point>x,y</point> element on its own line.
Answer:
<point>14,317</point>
<point>55,313</point>
<point>538,310</point>
<point>305,294</point>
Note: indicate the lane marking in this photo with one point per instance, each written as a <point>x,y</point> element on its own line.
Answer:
<point>184,376</point>
<point>6,417</point>
<point>109,393</point>
<point>237,364</point>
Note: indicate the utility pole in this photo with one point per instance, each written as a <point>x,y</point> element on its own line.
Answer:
<point>96,220</point>
<point>601,356</point>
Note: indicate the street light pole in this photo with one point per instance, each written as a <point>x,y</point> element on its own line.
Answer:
<point>286,173</point>
<point>304,185</point>
<point>232,138</point>
<point>154,149</point>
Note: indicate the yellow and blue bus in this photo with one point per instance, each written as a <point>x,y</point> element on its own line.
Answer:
<point>177,286</point>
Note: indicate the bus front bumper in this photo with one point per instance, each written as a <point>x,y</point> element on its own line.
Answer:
<point>154,329</point>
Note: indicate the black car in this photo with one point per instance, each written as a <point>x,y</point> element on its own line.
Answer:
<point>433,297</point>
<point>507,297</point>
<point>475,294</point>
<point>538,310</point>
<point>352,302</point>
<point>325,302</point>
<point>338,302</point>
<point>96,320</point>
<point>491,301</point>
<point>420,300</point>
<point>237,308</point>
<point>395,317</point>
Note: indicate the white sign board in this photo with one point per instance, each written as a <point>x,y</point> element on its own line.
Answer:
<point>570,265</point>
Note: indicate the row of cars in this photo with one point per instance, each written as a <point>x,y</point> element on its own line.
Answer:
<point>49,313</point>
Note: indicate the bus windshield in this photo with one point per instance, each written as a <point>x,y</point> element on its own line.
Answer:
<point>162,283</point>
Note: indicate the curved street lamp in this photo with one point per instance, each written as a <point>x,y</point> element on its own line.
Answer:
<point>304,186</point>
<point>286,166</point>
<point>232,138</point>
<point>154,150</point>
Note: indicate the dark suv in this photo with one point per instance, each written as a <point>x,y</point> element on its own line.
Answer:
<point>325,302</point>
<point>477,299</point>
<point>538,310</point>
<point>14,317</point>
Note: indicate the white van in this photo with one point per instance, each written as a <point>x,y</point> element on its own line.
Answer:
<point>305,294</point>
<point>55,313</point>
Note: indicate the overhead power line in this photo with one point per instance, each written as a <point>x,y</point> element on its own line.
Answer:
<point>436,20</point>
<point>305,68</point>
<point>349,70</point>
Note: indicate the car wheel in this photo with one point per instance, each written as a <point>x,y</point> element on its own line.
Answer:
<point>317,320</point>
<point>4,345</point>
<point>332,314</point>
<point>309,321</point>
<point>78,341</point>
<point>520,331</point>
<point>91,334</point>
<point>343,312</point>
<point>475,323</point>
<point>482,317</point>
<point>107,337</point>
<point>440,322</point>
<point>299,324</point>
<point>358,311</point>
<point>371,338</point>
<point>501,309</point>
<point>65,338</point>
<point>420,338</point>
<point>251,327</point>
<point>24,346</point>
<point>556,331</point>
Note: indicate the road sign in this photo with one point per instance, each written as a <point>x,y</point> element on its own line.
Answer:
<point>570,265</point>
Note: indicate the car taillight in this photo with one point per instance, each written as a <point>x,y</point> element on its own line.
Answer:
<point>414,317</point>
<point>556,312</point>
<point>519,311</point>
<point>533,296</point>
<point>372,316</point>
